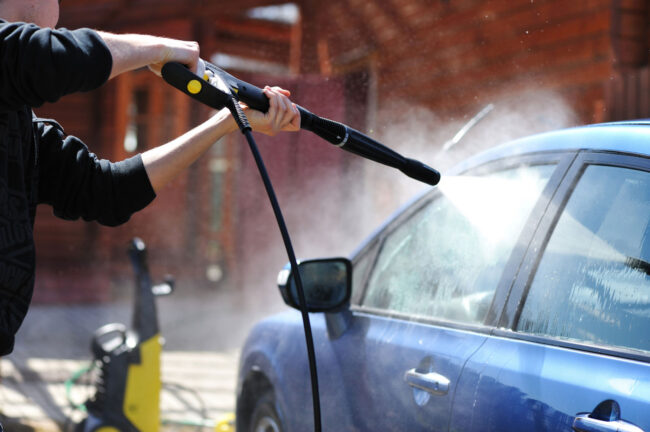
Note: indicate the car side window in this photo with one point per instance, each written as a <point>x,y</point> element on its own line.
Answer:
<point>446,260</point>
<point>593,281</point>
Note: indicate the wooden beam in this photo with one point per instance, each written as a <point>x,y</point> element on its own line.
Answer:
<point>220,8</point>
<point>124,13</point>
<point>304,49</point>
<point>253,48</point>
<point>264,30</point>
<point>254,39</point>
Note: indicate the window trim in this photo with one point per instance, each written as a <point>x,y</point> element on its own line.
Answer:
<point>618,352</point>
<point>421,319</point>
<point>370,252</point>
<point>517,297</point>
<point>562,160</point>
<point>531,226</point>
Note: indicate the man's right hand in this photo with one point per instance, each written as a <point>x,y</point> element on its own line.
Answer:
<point>183,52</point>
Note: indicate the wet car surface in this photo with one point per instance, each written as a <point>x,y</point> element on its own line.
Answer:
<point>513,296</point>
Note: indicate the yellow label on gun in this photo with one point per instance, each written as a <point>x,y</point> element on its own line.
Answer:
<point>194,86</point>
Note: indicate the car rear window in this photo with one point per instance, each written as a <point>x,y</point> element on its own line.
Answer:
<point>593,281</point>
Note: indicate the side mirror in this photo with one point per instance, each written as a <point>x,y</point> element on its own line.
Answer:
<point>327,284</point>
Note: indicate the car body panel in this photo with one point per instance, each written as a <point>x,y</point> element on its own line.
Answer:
<point>376,354</point>
<point>366,355</point>
<point>519,385</point>
<point>275,348</point>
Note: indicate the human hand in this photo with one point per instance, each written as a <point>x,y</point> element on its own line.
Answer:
<point>282,116</point>
<point>172,50</point>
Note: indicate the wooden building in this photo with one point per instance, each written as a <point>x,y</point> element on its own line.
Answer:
<point>350,60</point>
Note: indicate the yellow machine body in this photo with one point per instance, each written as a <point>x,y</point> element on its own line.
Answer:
<point>143,385</point>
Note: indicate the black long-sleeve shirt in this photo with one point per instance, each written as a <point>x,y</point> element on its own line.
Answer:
<point>40,164</point>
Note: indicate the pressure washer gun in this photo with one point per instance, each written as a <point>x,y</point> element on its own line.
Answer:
<point>216,88</point>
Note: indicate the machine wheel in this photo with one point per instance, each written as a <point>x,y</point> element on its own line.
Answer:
<point>265,416</point>
<point>79,427</point>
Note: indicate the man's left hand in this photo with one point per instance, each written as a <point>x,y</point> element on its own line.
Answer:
<point>282,116</point>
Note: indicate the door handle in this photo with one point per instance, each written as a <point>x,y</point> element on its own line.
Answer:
<point>584,423</point>
<point>430,382</point>
<point>605,417</point>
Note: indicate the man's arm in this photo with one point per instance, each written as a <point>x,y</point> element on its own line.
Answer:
<point>133,51</point>
<point>165,162</point>
<point>79,185</point>
<point>40,65</point>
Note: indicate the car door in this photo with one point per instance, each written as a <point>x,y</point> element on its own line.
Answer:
<point>573,351</point>
<point>426,303</point>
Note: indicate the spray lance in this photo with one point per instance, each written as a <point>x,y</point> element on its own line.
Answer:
<point>334,132</point>
<point>218,89</point>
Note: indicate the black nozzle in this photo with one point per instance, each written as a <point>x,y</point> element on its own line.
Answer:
<point>362,145</point>
<point>419,171</point>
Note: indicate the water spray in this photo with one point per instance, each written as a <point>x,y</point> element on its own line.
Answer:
<point>218,89</point>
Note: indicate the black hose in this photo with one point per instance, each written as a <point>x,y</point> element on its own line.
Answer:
<point>245,127</point>
<point>294,269</point>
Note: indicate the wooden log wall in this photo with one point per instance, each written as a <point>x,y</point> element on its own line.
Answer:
<point>454,56</point>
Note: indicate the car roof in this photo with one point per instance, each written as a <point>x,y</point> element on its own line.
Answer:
<point>631,136</point>
<point>624,137</point>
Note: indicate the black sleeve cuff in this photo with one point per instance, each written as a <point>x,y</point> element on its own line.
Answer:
<point>132,186</point>
<point>101,61</point>
<point>6,343</point>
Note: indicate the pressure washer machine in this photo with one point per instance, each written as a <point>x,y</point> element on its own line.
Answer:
<point>128,383</point>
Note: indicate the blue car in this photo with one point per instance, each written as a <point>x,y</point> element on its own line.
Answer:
<point>514,296</point>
